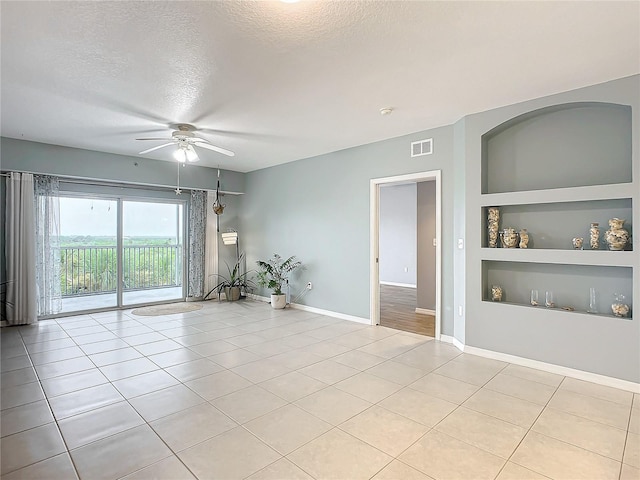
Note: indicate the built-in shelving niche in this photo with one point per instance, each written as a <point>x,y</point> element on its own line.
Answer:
<point>570,284</point>
<point>569,145</point>
<point>554,225</point>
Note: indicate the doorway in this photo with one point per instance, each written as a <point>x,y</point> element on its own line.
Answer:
<point>405,296</point>
<point>116,252</point>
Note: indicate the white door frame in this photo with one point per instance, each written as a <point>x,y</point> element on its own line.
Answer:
<point>434,175</point>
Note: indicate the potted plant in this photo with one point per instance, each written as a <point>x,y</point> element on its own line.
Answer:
<point>273,273</point>
<point>233,283</point>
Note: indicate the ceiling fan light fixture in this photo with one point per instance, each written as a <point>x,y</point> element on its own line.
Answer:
<point>180,155</point>
<point>192,156</point>
<point>185,153</point>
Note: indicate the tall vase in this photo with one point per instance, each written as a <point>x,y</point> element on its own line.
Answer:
<point>594,236</point>
<point>493,220</point>
<point>524,238</point>
<point>616,237</point>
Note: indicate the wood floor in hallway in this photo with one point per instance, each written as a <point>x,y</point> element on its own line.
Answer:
<point>398,310</point>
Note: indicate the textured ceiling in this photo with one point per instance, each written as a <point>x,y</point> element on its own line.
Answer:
<point>277,82</point>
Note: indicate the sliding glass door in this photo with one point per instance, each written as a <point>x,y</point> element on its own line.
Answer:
<point>152,251</point>
<point>118,252</point>
<point>88,253</point>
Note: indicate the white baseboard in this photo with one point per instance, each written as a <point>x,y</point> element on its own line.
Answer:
<point>319,311</point>
<point>446,338</point>
<point>258,298</point>
<point>551,368</point>
<point>396,284</point>
<point>425,311</point>
<point>329,313</point>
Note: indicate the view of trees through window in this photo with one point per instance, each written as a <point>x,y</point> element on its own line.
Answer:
<point>151,245</point>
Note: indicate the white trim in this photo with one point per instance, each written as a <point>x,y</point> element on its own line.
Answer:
<point>320,311</point>
<point>396,284</point>
<point>557,369</point>
<point>446,338</point>
<point>258,298</point>
<point>329,313</point>
<point>458,344</point>
<point>426,311</point>
<point>374,246</point>
<point>374,242</point>
<point>422,143</point>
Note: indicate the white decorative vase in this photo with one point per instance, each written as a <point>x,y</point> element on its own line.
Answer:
<point>278,301</point>
<point>616,237</point>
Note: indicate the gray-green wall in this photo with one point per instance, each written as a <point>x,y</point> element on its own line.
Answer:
<point>318,210</point>
<point>598,344</point>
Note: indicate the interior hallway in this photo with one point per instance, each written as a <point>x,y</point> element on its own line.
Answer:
<point>398,310</point>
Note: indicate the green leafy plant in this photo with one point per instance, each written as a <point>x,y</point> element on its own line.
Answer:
<point>274,272</point>
<point>234,278</point>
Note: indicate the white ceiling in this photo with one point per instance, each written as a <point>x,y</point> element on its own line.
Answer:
<point>277,82</point>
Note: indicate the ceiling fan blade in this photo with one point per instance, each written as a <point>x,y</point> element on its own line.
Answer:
<point>208,146</point>
<point>165,138</point>
<point>148,150</point>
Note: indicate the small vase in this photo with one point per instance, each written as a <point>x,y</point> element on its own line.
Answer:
<point>577,243</point>
<point>619,307</point>
<point>594,236</point>
<point>493,218</point>
<point>509,238</point>
<point>524,238</point>
<point>496,293</point>
<point>616,237</point>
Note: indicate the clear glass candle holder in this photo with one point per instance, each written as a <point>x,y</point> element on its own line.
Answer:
<point>534,298</point>
<point>549,299</point>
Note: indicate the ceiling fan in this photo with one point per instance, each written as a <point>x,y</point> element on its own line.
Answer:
<point>185,139</point>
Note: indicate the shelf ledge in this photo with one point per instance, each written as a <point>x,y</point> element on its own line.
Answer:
<point>560,310</point>
<point>559,195</point>
<point>603,258</point>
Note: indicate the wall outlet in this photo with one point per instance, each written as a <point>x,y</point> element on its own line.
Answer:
<point>309,286</point>
<point>461,243</point>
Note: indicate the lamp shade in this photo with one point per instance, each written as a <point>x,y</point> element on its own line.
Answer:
<point>230,238</point>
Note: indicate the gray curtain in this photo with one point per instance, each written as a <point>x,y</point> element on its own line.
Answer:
<point>47,203</point>
<point>197,229</point>
<point>20,250</point>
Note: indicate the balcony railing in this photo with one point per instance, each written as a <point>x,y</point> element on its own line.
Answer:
<point>93,270</point>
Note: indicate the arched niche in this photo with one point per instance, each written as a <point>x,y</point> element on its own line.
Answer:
<point>568,145</point>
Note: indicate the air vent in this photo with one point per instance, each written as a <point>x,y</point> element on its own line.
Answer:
<point>422,147</point>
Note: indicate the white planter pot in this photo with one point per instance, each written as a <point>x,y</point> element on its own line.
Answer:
<point>278,301</point>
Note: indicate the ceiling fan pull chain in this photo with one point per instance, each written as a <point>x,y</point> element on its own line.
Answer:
<point>178,190</point>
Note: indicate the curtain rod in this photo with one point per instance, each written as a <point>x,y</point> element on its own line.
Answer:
<point>104,183</point>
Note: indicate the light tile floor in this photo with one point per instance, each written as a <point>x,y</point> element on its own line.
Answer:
<point>237,390</point>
